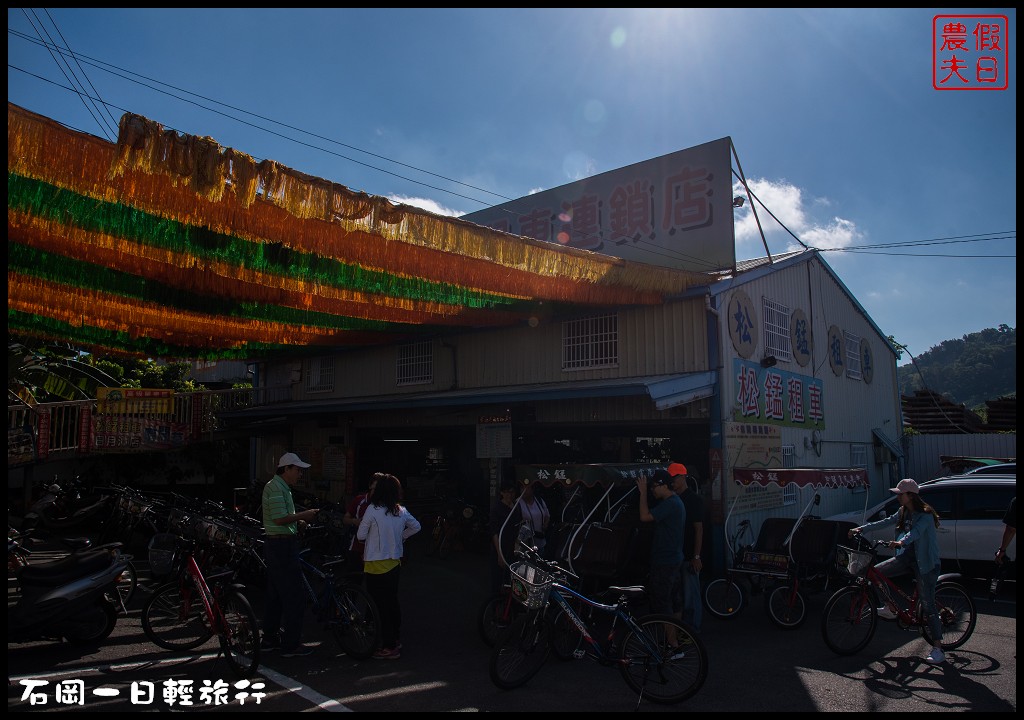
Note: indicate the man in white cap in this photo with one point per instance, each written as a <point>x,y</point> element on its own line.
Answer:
<point>285,605</point>
<point>917,551</point>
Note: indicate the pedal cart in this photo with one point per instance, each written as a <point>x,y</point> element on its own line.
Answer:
<point>595,527</point>
<point>790,558</point>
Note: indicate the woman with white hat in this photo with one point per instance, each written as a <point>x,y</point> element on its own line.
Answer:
<point>917,551</point>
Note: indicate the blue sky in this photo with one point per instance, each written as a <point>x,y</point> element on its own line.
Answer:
<point>832,114</point>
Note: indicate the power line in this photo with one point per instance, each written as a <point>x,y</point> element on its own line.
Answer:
<point>660,251</point>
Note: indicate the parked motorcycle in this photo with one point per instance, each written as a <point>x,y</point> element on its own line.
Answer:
<point>61,511</point>
<point>75,598</point>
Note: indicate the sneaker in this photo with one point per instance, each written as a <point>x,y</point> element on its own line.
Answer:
<point>936,657</point>
<point>886,613</point>
<point>298,651</point>
<point>270,642</point>
<point>387,654</point>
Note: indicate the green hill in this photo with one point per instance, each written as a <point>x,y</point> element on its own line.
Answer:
<point>977,367</point>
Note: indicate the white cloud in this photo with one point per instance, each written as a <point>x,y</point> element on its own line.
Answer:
<point>787,203</point>
<point>425,204</point>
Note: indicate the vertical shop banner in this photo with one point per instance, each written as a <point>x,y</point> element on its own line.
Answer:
<point>43,436</point>
<point>85,430</point>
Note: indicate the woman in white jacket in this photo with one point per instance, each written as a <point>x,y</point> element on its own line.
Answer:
<point>383,529</point>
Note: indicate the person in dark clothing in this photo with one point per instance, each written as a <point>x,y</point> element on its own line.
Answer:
<point>1009,530</point>
<point>693,541</point>
<point>669,518</point>
<point>503,535</point>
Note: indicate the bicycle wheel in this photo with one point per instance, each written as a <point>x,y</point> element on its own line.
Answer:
<point>659,670</point>
<point>175,618</point>
<point>355,621</point>
<point>956,613</point>
<point>848,621</point>
<point>786,607</point>
<point>520,650</point>
<point>127,584</point>
<point>240,636</point>
<point>724,598</point>
<point>495,615</point>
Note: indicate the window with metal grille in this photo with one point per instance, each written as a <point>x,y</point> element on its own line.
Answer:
<point>590,342</point>
<point>858,459</point>
<point>320,377</point>
<point>852,355</point>
<point>777,342</point>
<point>415,363</point>
<point>788,456</point>
<point>790,494</point>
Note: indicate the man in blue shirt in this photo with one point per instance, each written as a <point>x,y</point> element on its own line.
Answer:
<point>669,518</point>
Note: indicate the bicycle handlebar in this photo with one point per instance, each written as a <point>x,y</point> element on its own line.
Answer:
<point>530,553</point>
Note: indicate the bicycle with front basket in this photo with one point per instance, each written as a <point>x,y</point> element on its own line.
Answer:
<point>659,656</point>
<point>850,616</point>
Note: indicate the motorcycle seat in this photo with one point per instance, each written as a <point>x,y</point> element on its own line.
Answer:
<point>61,571</point>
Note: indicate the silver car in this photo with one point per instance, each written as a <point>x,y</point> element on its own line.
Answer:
<point>970,511</point>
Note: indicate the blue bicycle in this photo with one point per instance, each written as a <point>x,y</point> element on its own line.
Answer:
<point>659,656</point>
<point>344,608</point>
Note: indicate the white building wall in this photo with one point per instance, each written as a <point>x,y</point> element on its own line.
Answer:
<point>852,407</point>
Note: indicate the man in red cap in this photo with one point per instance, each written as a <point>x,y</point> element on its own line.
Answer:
<point>693,541</point>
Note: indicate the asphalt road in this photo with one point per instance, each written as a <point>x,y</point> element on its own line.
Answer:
<point>443,668</point>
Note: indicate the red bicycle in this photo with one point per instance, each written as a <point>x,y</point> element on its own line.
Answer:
<point>850,616</point>
<point>188,611</point>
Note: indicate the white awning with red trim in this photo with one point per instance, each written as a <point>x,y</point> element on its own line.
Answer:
<point>803,477</point>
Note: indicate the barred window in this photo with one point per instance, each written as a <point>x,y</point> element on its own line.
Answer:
<point>859,459</point>
<point>415,363</point>
<point>777,340</point>
<point>788,456</point>
<point>852,355</point>
<point>320,377</point>
<point>591,342</point>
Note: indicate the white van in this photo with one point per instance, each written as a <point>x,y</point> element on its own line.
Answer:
<point>971,513</point>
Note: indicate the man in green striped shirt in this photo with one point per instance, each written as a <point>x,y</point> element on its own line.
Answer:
<point>285,606</point>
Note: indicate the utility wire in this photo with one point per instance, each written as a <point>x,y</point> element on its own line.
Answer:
<point>654,250</point>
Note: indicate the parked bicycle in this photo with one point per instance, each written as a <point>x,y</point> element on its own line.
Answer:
<point>188,611</point>
<point>850,616</point>
<point>459,526</point>
<point>345,609</point>
<point>659,657</point>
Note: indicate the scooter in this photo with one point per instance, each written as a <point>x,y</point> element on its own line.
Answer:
<point>74,598</point>
<point>50,512</point>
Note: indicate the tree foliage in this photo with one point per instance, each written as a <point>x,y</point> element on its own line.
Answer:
<point>970,370</point>
<point>40,371</point>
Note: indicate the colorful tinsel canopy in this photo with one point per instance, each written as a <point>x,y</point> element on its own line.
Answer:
<point>169,245</point>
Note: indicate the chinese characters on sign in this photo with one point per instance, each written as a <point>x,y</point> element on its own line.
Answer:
<point>675,211</point>
<point>777,397</point>
<point>970,52</point>
<point>171,692</point>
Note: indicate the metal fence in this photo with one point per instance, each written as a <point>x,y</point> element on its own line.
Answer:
<point>65,429</point>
